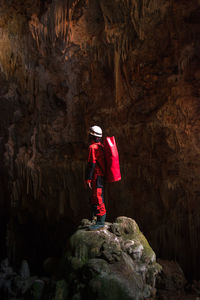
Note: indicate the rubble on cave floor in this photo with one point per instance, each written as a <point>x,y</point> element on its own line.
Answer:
<point>19,285</point>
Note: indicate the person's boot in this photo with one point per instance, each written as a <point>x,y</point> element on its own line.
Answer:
<point>99,224</point>
<point>94,220</point>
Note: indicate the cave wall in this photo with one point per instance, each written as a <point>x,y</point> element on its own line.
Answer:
<point>131,67</point>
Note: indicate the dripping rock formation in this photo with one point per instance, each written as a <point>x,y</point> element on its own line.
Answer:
<point>132,67</point>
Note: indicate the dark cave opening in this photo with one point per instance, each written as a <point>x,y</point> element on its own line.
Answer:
<point>36,242</point>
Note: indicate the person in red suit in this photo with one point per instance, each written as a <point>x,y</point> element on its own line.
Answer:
<point>95,175</point>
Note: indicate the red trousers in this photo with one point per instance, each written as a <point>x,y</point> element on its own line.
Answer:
<point>97,200</point>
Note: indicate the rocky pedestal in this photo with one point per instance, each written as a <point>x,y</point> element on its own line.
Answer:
<point>112,263</point>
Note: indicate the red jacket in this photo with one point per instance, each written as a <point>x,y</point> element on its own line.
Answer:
<point>96,161</point>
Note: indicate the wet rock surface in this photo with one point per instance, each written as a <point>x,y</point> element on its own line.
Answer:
<point>115,262</point>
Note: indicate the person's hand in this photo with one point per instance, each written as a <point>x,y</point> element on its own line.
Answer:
<point>88,184</point>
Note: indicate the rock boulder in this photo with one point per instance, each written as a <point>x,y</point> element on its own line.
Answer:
<point>115,262</point>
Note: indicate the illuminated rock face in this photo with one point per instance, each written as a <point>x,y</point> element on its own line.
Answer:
<point>131,67</point>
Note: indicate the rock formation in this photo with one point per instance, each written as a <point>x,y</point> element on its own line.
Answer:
<point>171,283</point>
<point>131,67</point>
<point>113,263</point>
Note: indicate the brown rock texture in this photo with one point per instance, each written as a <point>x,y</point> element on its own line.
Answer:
<point>130,66</point>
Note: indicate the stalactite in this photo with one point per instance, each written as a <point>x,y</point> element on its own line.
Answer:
<point>56,25</point>
<point>135,14</point>
<point>117,78</point>
<point>185,58</point>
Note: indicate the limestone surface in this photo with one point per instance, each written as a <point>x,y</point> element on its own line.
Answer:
<point>115,262</point>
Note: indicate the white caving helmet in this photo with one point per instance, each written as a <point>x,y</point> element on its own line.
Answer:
<point>96,131</point>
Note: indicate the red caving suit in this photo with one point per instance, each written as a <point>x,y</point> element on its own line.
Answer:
<point>95,173</point>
